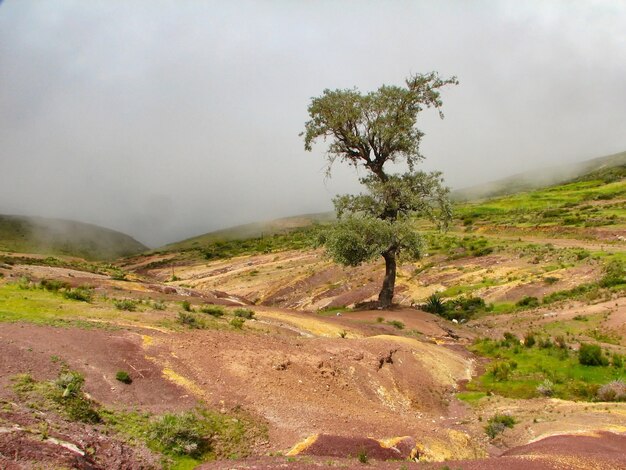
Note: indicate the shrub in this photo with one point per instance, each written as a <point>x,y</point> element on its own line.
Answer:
<point>498,423</point>
<point>613,391</point>
<point>500,370</point>
<point>380,319</point>
<point>546,388</point>
<point>189,320</point>
<point>244,313</point>
<point>125,304</point>
<point>434,304</point>
<point>186,306</point>
<point>551,280</point>
<point>528,302</point>
<point>591,355</point>
<point>510,340</point>
<point>123,377</point>
<point>180,434</point>
<point>362,456</point>
<point>158,305</point>
<point>237,322</point>
<point>82,294</point>
<point>213,310</point>
<point>614,274</point>
<point>343,333</point>
<point>395,323</point>
<point>53,285</point>
<point>529,340</point>
<point>617,361</point>
<point>69,395</point>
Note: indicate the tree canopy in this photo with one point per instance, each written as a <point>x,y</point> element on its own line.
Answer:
<point>368,131</point>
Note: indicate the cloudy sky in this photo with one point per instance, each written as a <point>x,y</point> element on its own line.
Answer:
<point>166,119</point>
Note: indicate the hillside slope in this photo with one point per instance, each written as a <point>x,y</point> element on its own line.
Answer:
<point>64,237</point>
<point>537,179</point>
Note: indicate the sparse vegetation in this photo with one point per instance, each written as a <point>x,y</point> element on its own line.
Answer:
<point>498,423</point>
<point>190,320</point>
<point>213,310</point>
<point>245,313</point>
<point>125,304</point>
<point>123,377</point>
<point>237,322</point>
<point>82,294</point>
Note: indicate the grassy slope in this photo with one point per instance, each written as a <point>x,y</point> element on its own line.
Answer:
<point>538,179</point>
<point>248,231</point>
<point>63,237</point>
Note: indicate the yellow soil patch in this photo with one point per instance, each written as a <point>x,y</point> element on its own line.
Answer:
<point>147,341</point>
<point>187,384</point>
<point>312,325</point>
<point>390,442</point>
<point>303,445</point>
<point>458,446</point>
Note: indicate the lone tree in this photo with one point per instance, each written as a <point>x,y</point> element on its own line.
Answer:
<point>367,131</point>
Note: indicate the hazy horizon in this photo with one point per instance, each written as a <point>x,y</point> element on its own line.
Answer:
<point>165,120</point>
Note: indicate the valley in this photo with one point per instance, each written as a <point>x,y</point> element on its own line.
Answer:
<point>257,351</point>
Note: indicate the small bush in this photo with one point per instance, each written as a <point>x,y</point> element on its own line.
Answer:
<point>614,274</point>
<point>551,280</point>
<point>189,320</point>
<point>180,434</point>
<point>617,361</point>
<point>500,370</point>
<point>213,310</point>
<point>53,285</point>
<point>397,324</point>
<point>498,424</point>
<point>613,391</point>
<point>362,456</point>
<point>82,294</point>
<point>529,340</point>
<point>244,313</point>
<point>125,304</point>
<point>546,388</point>
<point>434,304</point>
<point>591,355</point>
<point>528,302</point>
<point>237,322</point>
<point>186,306</point>
<point>380,319</point>
<point>69,395</point>
<point>158,305</point>
<point>123,377</point>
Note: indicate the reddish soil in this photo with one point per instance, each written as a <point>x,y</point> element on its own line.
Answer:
<point>98,354</point>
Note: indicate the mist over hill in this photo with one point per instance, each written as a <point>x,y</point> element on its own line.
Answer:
<point>64,237</point>
<point>539,178</point>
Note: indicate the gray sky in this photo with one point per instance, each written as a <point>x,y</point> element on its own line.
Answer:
<point>167,119</point>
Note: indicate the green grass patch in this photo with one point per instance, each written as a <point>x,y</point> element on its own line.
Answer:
<point>518,371</point>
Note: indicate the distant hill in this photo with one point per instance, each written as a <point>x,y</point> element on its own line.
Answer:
<point>254,230</point>
<point>64,237</point>
<point>542,178</point>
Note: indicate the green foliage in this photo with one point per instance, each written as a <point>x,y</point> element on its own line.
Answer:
<point>83,294</point>
<point>123,377</point>
<point>519,371</point>
<point>459,309</point>
<point>396,323</point>
<point>362,456</point>
<point>591,355</point>
<point>245,313</point>
<point>529,340</point>
<point>186,306</point>
<point>213,310</point>
<point>237,322</point>
<point>528,302</point>
<point>181,434</point>
<point>435,305</point>
<point>125,304</point>
<point>498,423</point>
<point>67,393</point>
<point>614,274</point>
<point>190,320</point>
<point>158,305</point>
<point>53,285</point>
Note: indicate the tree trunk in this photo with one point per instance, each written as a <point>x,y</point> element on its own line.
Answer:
<point>389,283</point>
